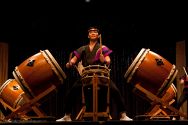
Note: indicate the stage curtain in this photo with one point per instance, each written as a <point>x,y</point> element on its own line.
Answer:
<point>180,63</point>
<point>3,65</point>
<point>3,62</point>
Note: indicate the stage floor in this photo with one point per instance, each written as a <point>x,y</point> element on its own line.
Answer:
<point>134,122</point>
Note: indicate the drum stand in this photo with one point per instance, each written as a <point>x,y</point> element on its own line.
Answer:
<point>159,112</point>
<point>30,104</point>
<point>160,105</point>
<point>95,114</point>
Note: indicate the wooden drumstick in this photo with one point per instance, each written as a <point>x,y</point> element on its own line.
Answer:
<point>185,71</point>
<point>100,43</point>
<point>70,56</point>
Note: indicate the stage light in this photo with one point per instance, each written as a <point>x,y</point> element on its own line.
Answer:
<point>87,1</point>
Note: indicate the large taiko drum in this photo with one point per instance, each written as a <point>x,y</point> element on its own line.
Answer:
<point>152,71</point>
<point>101,72</point>
<point>38,73</point>
<point>11,93</point>
<point>170,94</point>
<point>169,98</point>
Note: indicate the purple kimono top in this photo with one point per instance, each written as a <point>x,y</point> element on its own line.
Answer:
<point>91,57</point>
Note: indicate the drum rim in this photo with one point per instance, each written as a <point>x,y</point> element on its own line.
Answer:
<point>129,73</point>
<point>23,84</point>
<point>90,69</point>
<point>18,100</point>
<point>168,81</point>
<point>90,66</point>
<point>174,89</point>
<point>60,73</point>
<point>4,85</point>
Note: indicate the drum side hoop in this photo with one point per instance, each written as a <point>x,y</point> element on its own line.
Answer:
<point>139,58</point>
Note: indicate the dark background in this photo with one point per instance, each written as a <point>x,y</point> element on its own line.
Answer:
<point>55,23</point>
<point>62,27</point>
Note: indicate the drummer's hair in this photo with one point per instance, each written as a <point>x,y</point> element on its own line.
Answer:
<point>93,27</point>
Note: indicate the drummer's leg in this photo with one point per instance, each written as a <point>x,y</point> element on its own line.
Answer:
<point>116,95</point>
<point>72,96</point>
<point>181,100</point>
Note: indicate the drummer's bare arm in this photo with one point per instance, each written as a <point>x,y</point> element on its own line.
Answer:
<point>102,58</point>
<point>71,62</point>
<point>107,60</point>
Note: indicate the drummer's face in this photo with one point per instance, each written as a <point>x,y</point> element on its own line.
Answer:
<point>93,34</point>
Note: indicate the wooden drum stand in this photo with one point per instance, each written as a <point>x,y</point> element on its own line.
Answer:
<point>30,104</point>
<point>95,114</point>
<point>159,109</point>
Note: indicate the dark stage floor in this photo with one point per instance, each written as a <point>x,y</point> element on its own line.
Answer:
<point>135,122</point>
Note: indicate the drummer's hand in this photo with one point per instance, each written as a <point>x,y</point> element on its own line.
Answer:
<point>102,59</point>
<point>69,65</point>
<point>183,80</point>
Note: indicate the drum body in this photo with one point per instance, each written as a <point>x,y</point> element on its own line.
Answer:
<point>38,73</point>
<point>11,93</point>
<point>168,97</point>
<point>170,94</point>
<point>95,87</point>
<point>152,71</point>
<point>101,72</point>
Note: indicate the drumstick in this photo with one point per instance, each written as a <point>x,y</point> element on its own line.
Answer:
<point>100,43</point>
<point>70,56</point>
<point>185,71</point>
